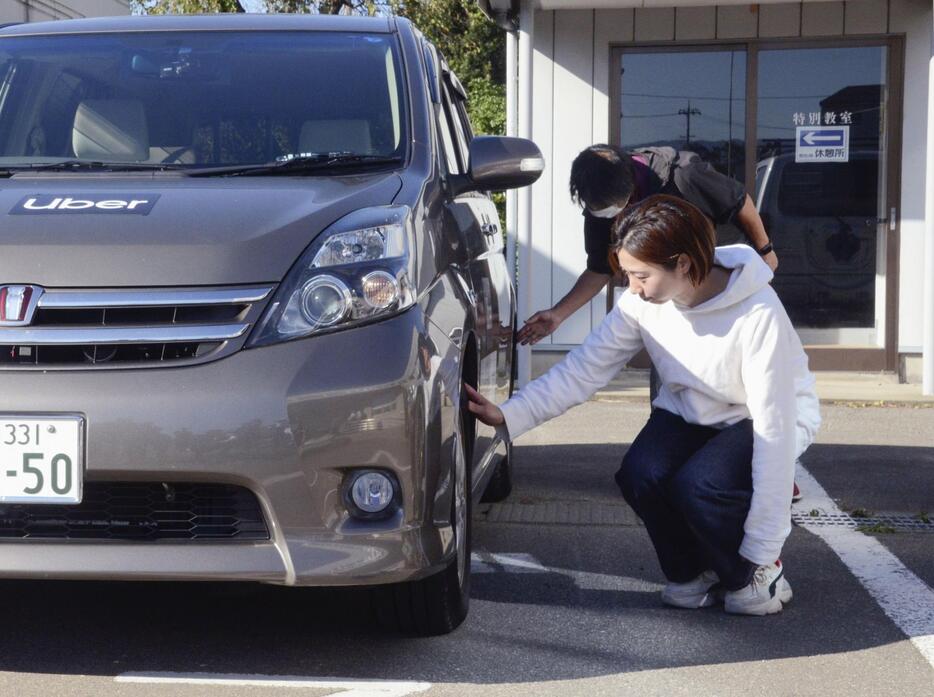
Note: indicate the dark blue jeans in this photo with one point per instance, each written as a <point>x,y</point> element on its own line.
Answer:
<point>691,486</point>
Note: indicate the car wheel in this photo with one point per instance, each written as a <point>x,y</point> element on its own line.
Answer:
<point>438,604</point>
<point>500,484</point>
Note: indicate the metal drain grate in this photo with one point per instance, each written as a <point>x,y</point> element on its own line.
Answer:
<point>902,523</point>
<point>558,513</point>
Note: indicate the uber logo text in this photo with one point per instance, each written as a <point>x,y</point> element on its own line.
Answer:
<point>38,204</point>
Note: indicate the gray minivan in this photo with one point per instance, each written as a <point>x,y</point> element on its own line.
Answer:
<point>247,265</point>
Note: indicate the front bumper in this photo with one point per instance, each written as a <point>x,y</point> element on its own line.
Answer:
<point>285,421</point>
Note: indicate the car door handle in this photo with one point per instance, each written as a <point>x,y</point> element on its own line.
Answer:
<point>489,229</point>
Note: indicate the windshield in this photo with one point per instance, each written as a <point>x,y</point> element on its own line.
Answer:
<point>199,99</point>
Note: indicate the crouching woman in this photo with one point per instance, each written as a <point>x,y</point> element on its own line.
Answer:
<point>711,473</point>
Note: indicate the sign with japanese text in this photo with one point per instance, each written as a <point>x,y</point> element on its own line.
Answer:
<point>822,144</point>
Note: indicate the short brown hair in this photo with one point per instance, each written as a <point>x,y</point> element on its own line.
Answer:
<point>660,229</point>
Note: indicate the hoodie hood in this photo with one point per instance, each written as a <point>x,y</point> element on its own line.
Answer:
<point>749,275</point>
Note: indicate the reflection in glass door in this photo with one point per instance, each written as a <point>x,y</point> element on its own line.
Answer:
<point>820,187</point>
<point>688,100</point>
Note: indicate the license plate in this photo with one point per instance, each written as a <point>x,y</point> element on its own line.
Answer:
<point>41,458</point>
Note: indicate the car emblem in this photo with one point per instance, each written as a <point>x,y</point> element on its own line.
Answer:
<point>18,305</point>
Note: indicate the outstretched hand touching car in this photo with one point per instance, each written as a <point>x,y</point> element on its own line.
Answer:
<point>484,409</point>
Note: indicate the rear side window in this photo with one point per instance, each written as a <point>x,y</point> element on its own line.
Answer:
<point>200,98</point>
<point>828,189</point>
<point>455,118</point>
<point>449,138</point>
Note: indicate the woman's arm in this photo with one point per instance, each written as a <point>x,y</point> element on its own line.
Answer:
<point>768,375</point>
<point>583,371</point>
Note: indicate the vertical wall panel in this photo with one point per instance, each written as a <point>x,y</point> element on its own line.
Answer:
<point>655,24</point>
<point>99,8</point>
<point>573,124</point>
<point>695,23</point>
<point>543,135</point>
<point>45,10</point>
<point>737,21</point>
<point>610,27</point>
<point>914,20</point>
<point>822,19</point>
<point>866,16</point>
<point>779,20</point>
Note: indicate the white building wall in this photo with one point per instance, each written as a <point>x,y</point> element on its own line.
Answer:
<point>913,18</point>
<point>44,10</point>
<point>543,134</point>
<point>572,110</point>
<point>573,127</point>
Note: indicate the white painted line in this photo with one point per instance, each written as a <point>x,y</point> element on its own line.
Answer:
<point>904,598</point>
<point>345,687</point>
<point>481,562</point>
<point>520,563</point>
<point>588,581</point>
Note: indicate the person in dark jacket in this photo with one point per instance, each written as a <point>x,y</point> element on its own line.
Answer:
<point>605,179</point>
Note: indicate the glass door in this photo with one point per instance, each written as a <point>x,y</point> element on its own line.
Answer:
<point>812,129</point>
<point>821,187</point>
<point>689,100</point>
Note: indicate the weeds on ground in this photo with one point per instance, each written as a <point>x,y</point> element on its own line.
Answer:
<point>878,528</point>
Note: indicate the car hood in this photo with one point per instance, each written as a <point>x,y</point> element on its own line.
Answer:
<point>220,231</point>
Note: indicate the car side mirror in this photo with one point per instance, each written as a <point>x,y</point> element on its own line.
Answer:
<point>498,163</point>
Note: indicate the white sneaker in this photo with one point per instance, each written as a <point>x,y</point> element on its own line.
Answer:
<point>701,592</point>
<point>764,595</point>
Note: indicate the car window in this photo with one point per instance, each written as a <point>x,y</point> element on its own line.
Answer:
<point>452,157</point>
<point>830,189</point>
<point>760,178</point>
<point>199,98</point>
<point>460,134</point>
<point>465,119</point>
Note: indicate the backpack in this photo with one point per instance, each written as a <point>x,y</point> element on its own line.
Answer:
<point>664,163</point>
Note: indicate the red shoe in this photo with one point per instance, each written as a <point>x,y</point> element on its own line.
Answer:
<point>795,494</point>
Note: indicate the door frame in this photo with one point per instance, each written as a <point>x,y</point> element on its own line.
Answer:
<point>821,357</point>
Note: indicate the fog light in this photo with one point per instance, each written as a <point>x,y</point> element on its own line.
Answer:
<point>372,492</point>
<point>380,289</point>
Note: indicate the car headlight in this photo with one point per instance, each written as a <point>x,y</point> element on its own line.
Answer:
<point>356,271</point>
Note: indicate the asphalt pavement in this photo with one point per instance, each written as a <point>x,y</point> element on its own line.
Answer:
<point>564,596</point>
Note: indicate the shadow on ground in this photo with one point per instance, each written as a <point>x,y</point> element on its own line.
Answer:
<point>578,621</point>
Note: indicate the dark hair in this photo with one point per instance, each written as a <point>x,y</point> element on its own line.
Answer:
<point>601,176</point>
<point>660,229</point>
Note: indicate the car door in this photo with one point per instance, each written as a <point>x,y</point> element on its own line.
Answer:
<point>496,273</point>
<point>489,288</point>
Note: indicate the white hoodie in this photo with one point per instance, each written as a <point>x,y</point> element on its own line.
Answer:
<point>733,357</point>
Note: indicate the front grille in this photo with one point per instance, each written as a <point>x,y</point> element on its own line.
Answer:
<point>138,328</point>
<point>141,511</point>
<point>139,316</point>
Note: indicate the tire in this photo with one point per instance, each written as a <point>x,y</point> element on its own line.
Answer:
<point>437,604</point>
<point>500,485</point>
<point>514,361</point>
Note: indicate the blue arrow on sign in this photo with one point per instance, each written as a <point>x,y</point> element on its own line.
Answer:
<point>821,137</point>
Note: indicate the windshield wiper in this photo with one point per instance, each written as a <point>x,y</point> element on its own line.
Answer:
<point>304,163</point>
<point>86,166</point>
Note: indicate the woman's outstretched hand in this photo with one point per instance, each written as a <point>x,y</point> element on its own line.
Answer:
<point>483,409</point>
